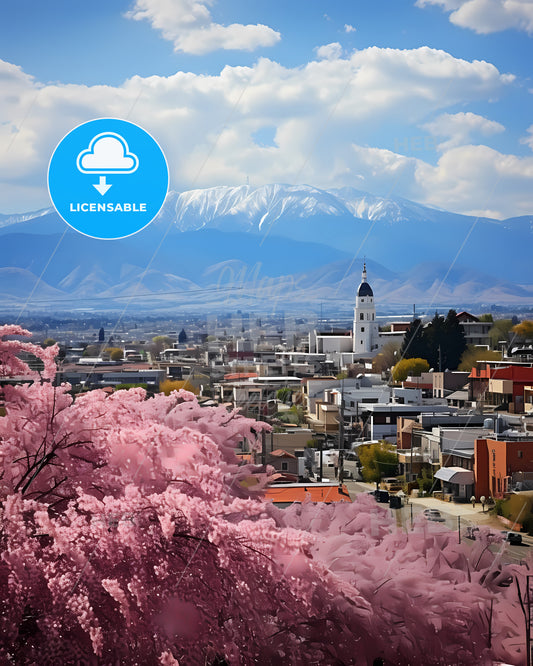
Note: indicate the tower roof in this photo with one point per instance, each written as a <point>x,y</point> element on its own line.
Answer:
<point>364,288</point>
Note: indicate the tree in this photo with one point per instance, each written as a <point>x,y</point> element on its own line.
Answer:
<point>524,329</point>
<point>486,317</point>
<point>441,342</point>
<point>169,385</point>
<point>131,534</point>
<point>116,354</point>
<point>500,332</point>
<point>49,342</point>
<point>161,342</point>
<point>387,357</point>
<point>473,354</point>
<point>284,394</point>
<point>409,367</point>
<point>91,350</point>
<point>413,345</point>
<point>453,342</point>
<point>378,461</point>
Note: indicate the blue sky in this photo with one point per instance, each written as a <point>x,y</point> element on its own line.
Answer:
<point>426,99</point>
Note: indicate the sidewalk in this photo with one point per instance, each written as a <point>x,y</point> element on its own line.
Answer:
<point>471,514</point>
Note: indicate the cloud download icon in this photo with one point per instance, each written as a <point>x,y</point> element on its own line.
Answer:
<point>108,147</point>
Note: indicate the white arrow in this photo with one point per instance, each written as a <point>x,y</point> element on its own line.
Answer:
<point>102,186</point>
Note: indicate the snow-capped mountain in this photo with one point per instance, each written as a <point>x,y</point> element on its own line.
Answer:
<point>255,208</point>
<point>301,243</point>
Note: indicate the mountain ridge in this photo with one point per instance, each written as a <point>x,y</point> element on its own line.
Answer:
<point>305,241</point>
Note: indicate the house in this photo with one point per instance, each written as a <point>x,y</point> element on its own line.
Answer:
<point>380,420</point>
<point>286,463</point>
<point>476,331</point>
<point>283,495</point>
<point>445,383</point>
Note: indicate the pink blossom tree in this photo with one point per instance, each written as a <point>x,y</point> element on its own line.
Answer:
<point>130,534</point>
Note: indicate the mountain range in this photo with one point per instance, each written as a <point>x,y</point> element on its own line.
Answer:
<point>274,246</point>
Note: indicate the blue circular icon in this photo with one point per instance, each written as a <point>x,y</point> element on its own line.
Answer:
<point>108,178</point>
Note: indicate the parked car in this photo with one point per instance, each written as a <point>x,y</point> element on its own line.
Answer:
<point>434,515</point>
<point>514,538</point>
<point>473,532</point>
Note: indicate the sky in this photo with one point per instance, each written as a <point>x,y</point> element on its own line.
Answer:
<point>430,100</point>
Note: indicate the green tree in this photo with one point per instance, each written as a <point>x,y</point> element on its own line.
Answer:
<point>49,342</point>
<point>500,332</point>
<point>377,461</point>
<point>161,342</point>
<point>413,345</point>
<point>486,317</point>
<point>284,394</point>
<point>409,367</point>
<point>116,354</point>
<point>473,354</point>
<point>453,344</point>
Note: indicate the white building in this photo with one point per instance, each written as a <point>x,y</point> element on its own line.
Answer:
<point>363,341</point>
<point>365,327</point>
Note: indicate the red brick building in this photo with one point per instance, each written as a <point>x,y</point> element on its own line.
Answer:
<point>497,464</point>
<point>500,385</point>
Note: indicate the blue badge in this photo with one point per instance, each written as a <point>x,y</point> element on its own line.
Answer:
<point>108,178</point>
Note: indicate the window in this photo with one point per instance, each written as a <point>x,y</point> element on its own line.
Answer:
<point>372,316</point>
<point>520,454</point>
<point>284,466</point>
<point>361,316</point>
<point>387,419</point>
<point>362,300</point>
<point>362,329</point>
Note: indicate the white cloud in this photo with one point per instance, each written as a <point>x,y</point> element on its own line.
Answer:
<point>459,127</point>
<point>325,118</point>
<point>331,51</point>
<point>487,16</point>
<point>349,28</point>
<point>528,140</point>
<point>473,178</point>
<point>188,24</point>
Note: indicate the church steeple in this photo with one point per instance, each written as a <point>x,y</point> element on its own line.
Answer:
<point>364,288</point>
<point>365,328</point>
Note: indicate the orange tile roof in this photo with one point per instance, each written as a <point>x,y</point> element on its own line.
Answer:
<point>280,453</point>
<point>314,492</point>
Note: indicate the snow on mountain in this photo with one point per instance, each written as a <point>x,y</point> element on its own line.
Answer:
<point>256,208</point>
<point>16,218</point>
<point>297,241</point>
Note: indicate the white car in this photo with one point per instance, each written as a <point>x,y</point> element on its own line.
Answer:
<point>434,515</point>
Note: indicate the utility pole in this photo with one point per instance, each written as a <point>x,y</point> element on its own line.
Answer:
<point>263,448</point>
<point>341,436</point>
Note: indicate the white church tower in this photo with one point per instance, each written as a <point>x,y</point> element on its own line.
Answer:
<point>365,326</point>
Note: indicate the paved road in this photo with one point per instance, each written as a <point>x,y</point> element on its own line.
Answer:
<point>455,516</point>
